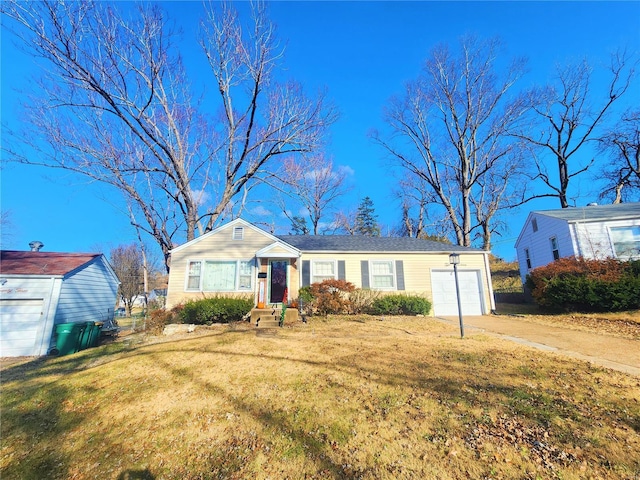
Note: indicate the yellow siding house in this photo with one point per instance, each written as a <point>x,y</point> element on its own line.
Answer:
<point>240,258</point>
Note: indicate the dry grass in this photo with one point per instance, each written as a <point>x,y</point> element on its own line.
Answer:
<point>344,398</point>
<point>505,276</point>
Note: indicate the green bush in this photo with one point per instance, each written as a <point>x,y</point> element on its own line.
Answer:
<point>575,284</point>
<point>397,304</point>
<point>305,295</point>
<point>215,310</point>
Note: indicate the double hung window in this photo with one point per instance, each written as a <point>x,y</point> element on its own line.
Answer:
<point>528,258</point>
<point>323,270</point>
<point>554,248</point>
<point>382,274</point>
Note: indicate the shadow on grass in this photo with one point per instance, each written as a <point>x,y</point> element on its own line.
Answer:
<point>37,417</point>
<point>136,475</point>
<point>457,378</point>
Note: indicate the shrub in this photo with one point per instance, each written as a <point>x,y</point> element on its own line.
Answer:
<point>329,297</point>
<point>305,295</point>
<point>398,304</point>
<point>576,284</point>
<point>361,300</point>
<point>215,310</point>
<point>159,318</point>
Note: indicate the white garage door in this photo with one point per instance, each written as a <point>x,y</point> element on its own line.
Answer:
<point>443,286</point>
<point>20,327</point>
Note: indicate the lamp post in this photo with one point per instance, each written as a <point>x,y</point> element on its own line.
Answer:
<point>454,259</point>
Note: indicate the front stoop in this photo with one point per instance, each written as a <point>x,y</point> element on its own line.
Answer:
<point>270,317</point>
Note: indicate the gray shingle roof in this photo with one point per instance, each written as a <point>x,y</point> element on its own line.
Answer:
<point>595,213</point>
<point>361,243</point>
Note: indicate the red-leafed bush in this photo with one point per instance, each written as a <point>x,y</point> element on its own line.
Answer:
<point>577,284</point>
<point>331,296</point>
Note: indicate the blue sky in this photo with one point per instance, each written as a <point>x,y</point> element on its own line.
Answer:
<point>363,53</point>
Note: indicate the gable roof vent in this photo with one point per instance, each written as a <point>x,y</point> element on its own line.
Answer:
<point>238,233</point>
<point>36,245</point>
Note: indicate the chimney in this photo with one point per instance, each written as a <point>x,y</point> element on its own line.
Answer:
<point>36,245</point>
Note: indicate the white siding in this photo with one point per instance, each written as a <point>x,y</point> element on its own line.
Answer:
<point>539,243</point>
<point>88,294</point>
<point>581,239</point>
<point>594,238</point>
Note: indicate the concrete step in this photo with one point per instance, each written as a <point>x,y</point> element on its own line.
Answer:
<point>262,316</point>
<point>267,321</point>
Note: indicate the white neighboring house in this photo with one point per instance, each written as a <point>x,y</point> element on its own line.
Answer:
<point>594,231</point>
<point>157,294</point>
<point>42,289</point>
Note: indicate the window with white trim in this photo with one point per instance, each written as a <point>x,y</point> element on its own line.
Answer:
<point>528,258</point>
<point>382,274</point>
<point>323,270</point>
<point>626,241</point>
<point>193,275</point>
<point>554,248</point>
<point>244,275</point>
<point>219,275</point>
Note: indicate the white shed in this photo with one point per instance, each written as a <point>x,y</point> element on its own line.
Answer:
<point>39,290</point>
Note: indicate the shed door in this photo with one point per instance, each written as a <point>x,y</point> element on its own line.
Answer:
<point>20,327</point>
<point>443,288</point>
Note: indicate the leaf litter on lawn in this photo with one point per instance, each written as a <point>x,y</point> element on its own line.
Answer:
<point>370,398</point>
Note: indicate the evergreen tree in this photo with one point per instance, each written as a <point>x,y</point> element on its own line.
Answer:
<point>299,226</point>
<point>366,223</point>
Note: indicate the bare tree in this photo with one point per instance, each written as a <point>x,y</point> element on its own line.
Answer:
<point>127,263</point>
<point>417,208</point>
<point>114,104</point>
<point>567,119</point>
<point>6,228</point>
<point>621,145</point>
<point>315,184</point>
<point>345,221</point>
<point>450,130</point>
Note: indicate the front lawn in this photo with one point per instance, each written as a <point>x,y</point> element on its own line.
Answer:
<point>338,398</point>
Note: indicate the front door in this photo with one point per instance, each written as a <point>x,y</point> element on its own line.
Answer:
<point>278,280</point>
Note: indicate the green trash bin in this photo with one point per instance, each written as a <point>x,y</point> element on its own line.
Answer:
<point>68,337</point>
<point>96,331</point>
<point>86,335</point>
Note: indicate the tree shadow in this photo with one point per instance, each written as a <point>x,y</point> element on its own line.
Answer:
<point>136,475</point>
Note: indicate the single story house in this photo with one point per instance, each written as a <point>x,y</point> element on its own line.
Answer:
<point>240,258</point>
<point>594,231</point>
<point>39,290</point>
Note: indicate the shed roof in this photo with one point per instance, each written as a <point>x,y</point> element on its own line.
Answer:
<point>13,262</point>
<point>595,213</point>
<point>362,243</point>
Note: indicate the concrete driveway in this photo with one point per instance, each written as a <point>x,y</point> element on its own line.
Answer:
<point>606,350</point>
